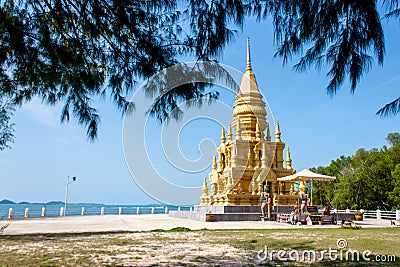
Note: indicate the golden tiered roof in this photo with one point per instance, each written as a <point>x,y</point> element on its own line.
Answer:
<point>249,101</point>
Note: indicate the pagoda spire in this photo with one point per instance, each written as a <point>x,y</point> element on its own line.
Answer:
<point>229,132</point>
<point>205,187</point>
<point>268,133</point>
<point>214,164</point>
<point>223,139</point>
<point>277,132</point>
<point>248,66</point>
<point>288,159</point>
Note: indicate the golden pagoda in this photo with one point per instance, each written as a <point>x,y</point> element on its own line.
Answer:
<point>248,162</point>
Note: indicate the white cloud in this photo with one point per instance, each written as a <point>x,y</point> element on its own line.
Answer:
<point>388,82</point>
<point>43,114</point>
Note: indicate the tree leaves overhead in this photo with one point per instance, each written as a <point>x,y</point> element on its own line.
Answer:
<point>393,107</point>
<point>72,52</point>
<point>340,34</point>
<point>346,36</point>
<point>6,127</point>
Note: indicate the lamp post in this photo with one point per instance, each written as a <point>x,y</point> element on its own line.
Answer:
<point>311,189</point>
<point>66,193</point>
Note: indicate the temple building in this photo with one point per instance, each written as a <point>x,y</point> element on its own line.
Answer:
<point>248,160</point>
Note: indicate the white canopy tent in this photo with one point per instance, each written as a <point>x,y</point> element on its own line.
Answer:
<point>306,175</point>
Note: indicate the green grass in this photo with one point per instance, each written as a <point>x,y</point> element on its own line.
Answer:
<point>176,229</point>
<point>379,241</point>
<point>122,249</point>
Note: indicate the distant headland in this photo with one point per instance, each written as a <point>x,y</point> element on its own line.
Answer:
<point>7,201</point>
<point>10,202</point>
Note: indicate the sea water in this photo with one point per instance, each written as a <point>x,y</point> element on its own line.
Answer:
<point>35,210</point>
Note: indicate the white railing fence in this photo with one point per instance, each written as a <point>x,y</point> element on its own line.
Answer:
<point>13,213</point>
<point>376,214</point>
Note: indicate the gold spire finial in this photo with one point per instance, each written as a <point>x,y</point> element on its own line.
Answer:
<point>229,132</point>
<point>205,187</point>
<point>223,139</point>
<point>248,66</point>
<point>214,165</point>
<point>277,132</point>
<point>268,133</point>
<point>288,159</point>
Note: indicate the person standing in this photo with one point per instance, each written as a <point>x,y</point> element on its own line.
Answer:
<point>264,200</point>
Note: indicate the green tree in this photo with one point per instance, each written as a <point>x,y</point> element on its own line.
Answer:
<point>368,179</point>
<point>324,192</point>
<point>6,127</point>
<point>393,139</point>
<point>73,52</point>
<point>394,196</point>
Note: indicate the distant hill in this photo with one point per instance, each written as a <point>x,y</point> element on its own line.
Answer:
<point>6,201</point>
<point>24,202</point>
<point>55,203</point>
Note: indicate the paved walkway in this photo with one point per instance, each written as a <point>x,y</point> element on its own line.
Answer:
<point>108,223</point>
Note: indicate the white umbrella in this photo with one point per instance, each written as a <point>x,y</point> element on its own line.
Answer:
<point>306,175</point>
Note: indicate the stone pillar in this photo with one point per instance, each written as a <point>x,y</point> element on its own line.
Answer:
<point>264,155</point>
<point>233,155</point>
<point>281,188</point>
<point>378,214</point>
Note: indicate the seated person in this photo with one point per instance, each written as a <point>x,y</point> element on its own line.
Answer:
<point>327,209</point>
<point>296,209</point>
<point>355,226</point>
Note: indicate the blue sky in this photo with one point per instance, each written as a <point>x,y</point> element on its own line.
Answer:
<point>316,127</point>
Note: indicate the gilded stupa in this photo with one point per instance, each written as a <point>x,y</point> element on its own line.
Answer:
<point>247,161</point>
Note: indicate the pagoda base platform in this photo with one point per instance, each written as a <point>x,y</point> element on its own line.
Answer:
<point>239,213</point>
<point>228,213</point>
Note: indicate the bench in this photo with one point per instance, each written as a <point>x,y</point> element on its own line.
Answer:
<point>312,210</point>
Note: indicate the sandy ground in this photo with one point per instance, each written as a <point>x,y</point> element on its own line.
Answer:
<point>140,246</point>
<point>145,222</point>
<point>137,249</point>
